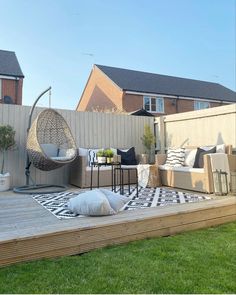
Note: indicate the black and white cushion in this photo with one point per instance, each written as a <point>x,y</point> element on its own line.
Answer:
<point>199,156</point>
<point>92,156</point>
<point>175,157</point>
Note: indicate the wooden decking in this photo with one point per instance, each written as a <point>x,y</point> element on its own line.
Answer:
<point>28,231</point>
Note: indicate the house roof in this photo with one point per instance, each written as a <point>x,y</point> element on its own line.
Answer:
<point>141,112</point>
<point>143,82</point>
<point>9,65</point>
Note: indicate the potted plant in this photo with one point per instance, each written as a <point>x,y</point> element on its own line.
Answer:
<point>109,155</point>
<point>148,140</point>
<point>7,140</point>
<point>101,157</point>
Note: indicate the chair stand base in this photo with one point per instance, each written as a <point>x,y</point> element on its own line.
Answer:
<point>39,189</point>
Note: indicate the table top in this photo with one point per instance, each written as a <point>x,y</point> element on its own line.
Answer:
<point>106,164</point>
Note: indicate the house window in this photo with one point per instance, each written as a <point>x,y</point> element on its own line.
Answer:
<point>153,104</point>
<point>199,105</point>
<point>0,89</point>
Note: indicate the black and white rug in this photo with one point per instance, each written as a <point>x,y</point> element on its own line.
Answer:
<point>147,197</point>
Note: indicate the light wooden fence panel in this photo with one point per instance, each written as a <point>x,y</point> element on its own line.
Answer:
<point>97,130</point>
<point>90,130</point>
<point>205,127</point>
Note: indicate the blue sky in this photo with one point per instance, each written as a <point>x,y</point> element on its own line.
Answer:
<point>58,41</point>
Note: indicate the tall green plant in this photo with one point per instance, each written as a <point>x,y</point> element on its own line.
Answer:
<point>7,140</point>
<point>148,139</point>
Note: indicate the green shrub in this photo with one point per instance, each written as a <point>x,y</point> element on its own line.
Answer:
<point>101,153</point>
<point>109,153</point>
<point>148,139</point>
<point>7,140</point>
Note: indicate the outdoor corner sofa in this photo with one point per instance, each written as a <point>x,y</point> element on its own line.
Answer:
<point>186,177</point>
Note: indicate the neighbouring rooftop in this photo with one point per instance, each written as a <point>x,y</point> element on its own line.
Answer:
<point>9,65</point>
<point>143,82</point>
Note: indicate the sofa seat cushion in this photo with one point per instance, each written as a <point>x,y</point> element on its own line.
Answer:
<point>61,158</point>
<point>50,149</point>
<point>129,166</point>
<point>181,169</point>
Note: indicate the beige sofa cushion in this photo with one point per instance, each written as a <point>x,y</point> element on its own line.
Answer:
<point>182,169</point>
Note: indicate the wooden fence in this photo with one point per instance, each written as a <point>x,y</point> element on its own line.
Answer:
<point>205,127</point>
<point>91,130</point>
<point>97,130</point>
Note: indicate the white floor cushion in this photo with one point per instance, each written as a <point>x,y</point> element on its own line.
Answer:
<point>92,203</point>
<point>115,200</point>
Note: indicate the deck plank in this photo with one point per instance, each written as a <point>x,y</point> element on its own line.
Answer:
<point>28,231</point>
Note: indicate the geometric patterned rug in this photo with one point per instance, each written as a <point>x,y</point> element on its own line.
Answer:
<point>147,197</point>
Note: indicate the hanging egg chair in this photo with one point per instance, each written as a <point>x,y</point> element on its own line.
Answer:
<point>50,145</point>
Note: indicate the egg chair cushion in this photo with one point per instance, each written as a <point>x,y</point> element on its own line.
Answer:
<point>50,149</point>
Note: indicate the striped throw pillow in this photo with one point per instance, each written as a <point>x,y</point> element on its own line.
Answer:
<point>92,156</point>
<point>175,157</point>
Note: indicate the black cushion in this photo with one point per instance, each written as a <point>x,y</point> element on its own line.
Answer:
<point>127,158</point>
<point>198,163</point>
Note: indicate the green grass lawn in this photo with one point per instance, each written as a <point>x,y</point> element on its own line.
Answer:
<point>202,261</point>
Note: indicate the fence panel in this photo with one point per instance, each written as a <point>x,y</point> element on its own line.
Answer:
<point>90,130</point>
<point>205,127</point>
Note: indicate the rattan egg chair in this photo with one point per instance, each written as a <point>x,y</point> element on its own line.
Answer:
<point>50,128</point>
<point>50,145</point>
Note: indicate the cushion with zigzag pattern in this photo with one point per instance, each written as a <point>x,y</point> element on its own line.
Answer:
<point>175,157</point>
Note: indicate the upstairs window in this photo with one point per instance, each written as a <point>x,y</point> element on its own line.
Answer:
<point>199,105</point>
<point>153,104</point>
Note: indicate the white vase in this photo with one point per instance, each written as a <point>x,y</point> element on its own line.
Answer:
<point>101,160</point>
<point>4,182</point>
<point>144,159</point>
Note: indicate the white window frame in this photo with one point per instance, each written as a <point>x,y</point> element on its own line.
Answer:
<point>201,105</point>
<point>159,101</point>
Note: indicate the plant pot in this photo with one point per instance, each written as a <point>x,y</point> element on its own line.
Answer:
<point>4,182</point>
<point>117,158</point>
<point>144,159</point>
<point>101,160</point>
<point>109,160</point>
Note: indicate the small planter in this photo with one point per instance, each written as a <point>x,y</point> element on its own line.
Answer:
<point>4,182</point>
<point>101,160</point>
<point>109,160</point>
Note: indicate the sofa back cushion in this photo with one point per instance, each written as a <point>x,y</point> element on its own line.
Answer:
<point>92,155</point>
<point>83,152</point>
<point>128,157</point>
<point>175,157</point>
<point>190,155</point>
<point>220,148</point>
<point>199,156</point>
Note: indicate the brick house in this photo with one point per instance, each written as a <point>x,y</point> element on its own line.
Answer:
<point>110,88</point>
<point>11,78</point>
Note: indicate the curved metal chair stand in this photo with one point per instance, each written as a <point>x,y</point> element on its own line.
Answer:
<point>48,131</point>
